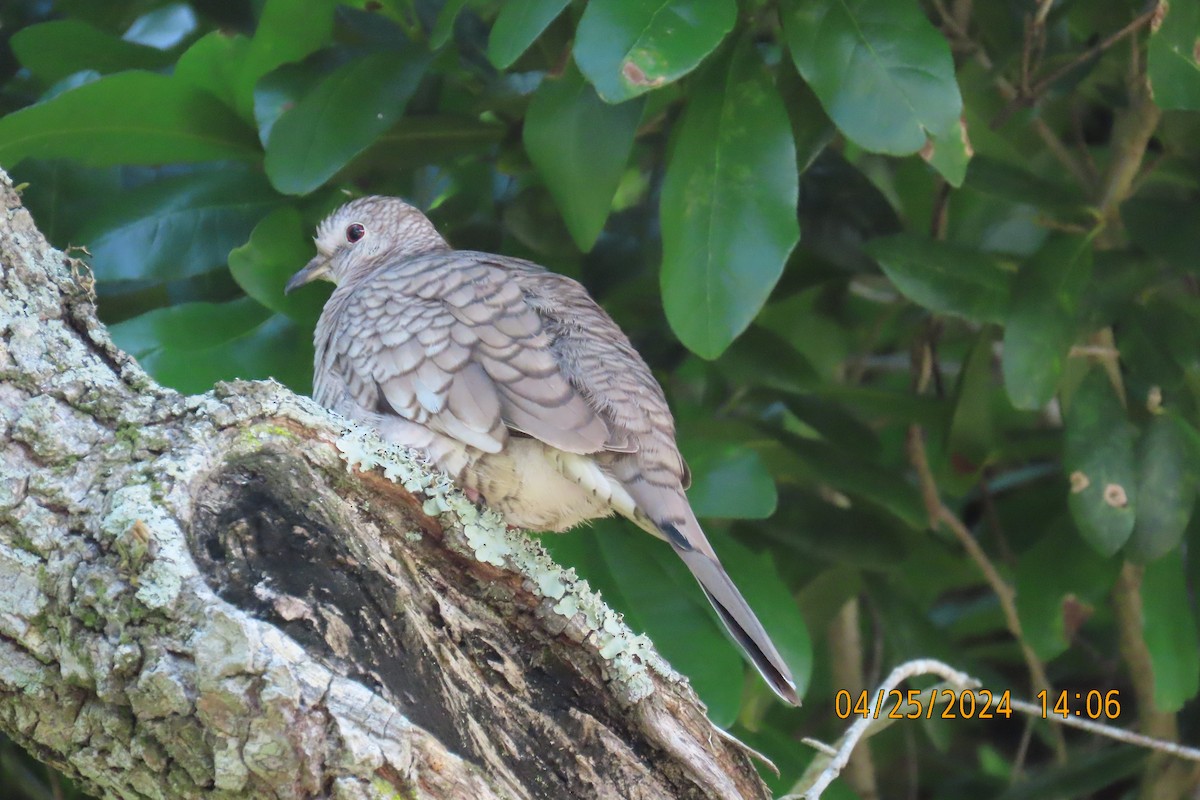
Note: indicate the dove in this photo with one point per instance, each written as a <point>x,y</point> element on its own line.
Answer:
<point>514,382</point>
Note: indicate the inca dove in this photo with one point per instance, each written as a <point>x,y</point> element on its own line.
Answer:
<point>514,382</point>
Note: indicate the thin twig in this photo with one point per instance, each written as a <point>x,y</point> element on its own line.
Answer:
<point>1025,98</point>
<point>863,726</point>
<point>1007,596</point>
<point>810,786</point>
<point>1060,151</point>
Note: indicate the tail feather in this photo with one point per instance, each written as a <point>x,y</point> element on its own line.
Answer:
<point>738,618</point>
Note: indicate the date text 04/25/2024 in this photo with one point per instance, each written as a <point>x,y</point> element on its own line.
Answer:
<point>972,704</point>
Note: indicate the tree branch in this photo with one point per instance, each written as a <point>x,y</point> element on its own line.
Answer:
<point>198,597</point>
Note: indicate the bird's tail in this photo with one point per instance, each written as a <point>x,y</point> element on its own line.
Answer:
<point>734,611</point>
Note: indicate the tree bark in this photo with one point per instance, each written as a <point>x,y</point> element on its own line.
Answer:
<point>238,595</point>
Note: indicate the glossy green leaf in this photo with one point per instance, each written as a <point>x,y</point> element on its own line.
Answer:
<point>176,227</point>
<point>950,153</point>
<point>340,118</point>
<point>517,26</point>
<point>163,27</point>
<point>1170,633</point>
<point>580,145</point>
<point>427,139</point>
<point>850,473</point>
<point>288,30</point>
<point>443,27</point>
<point>54,50</point>
<point>628,47</point>
<point>810,124</point>
<point>760,357</point>
<point>276,348</point>
<point>1166,487</point>
<point>882,71</point>
<point>728,481</point>
<point>728,207</point>
<point>214,63</point>
<point>279,246</point>
<point>280,90</point>
<point>188,327</point>
<point>972,436</point>
<point>128,118</point>
<point>1009,182</point>
<point>944,277</point>
<point>1057,581</point>
<point>1174,57</point>
<point>855,535</point>
<point>1098,459</point>
<point>1162,226</point>
<point>62,195</point>
<point>1042,319</point>
<point>666,600</point>
<point>1086,774</point>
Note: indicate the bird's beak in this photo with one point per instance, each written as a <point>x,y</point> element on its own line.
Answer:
<point>317,268</point>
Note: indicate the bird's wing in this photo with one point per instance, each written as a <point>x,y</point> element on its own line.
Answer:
<point>456,348</point>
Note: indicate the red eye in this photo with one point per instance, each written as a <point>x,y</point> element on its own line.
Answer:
<point>355,232</point>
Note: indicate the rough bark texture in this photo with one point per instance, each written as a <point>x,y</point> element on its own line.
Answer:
<point>235,595</point>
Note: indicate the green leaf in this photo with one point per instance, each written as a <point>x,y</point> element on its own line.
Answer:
<point>1084,775</point>
<point>54,50</point>
<point>428,139</point>
<point>1056,580</point>
<point>129,118</point>
<point>278,248</point>
<point>760,357</point>
<point>1174,57</point>
<point>175,227</point>
<point>628,47</point>
<point>1166,488</point>
<point>856,535</point>
<point>943,277</point>
<point>972,434</point>
<point>1170,633</point>
<point>950,153</point>
<point>62,196</point>
<point>728,481</point>
<point>811,126</point>
<point>665,599</point>
<point>443,28</point>
<point>1042,319</point>
<point>1162,226</point>
<point>728,206</point>
<point>187,327</point>
<point>277,348</point>
<point>214,63</point>
<point>1098,458</point>
<point>579,145</point>
<point>517,26</point>
<point>1009,182</point>
<point>340,118</point>
<point>882,71</point>
<point>288,30</point>
<point>163,27</point>
<point>856,476</point>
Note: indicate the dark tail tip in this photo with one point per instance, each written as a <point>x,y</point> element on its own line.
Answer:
<point>735,613</point>
<point>774,673</point>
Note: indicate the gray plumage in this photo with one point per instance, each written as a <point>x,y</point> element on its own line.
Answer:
<point>514,382</point>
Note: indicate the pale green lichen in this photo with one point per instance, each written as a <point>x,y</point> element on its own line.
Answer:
<point>134,513</point>
<point>491,541</point>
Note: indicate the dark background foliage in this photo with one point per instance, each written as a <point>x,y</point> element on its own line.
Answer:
<point>892,260</point>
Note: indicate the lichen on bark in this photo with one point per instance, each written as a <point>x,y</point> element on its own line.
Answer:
<point>236,595</point>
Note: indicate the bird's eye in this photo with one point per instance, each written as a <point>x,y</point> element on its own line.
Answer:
<point>355,232</point>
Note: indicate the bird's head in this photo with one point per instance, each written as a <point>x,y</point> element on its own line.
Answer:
<point>364,233</point>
